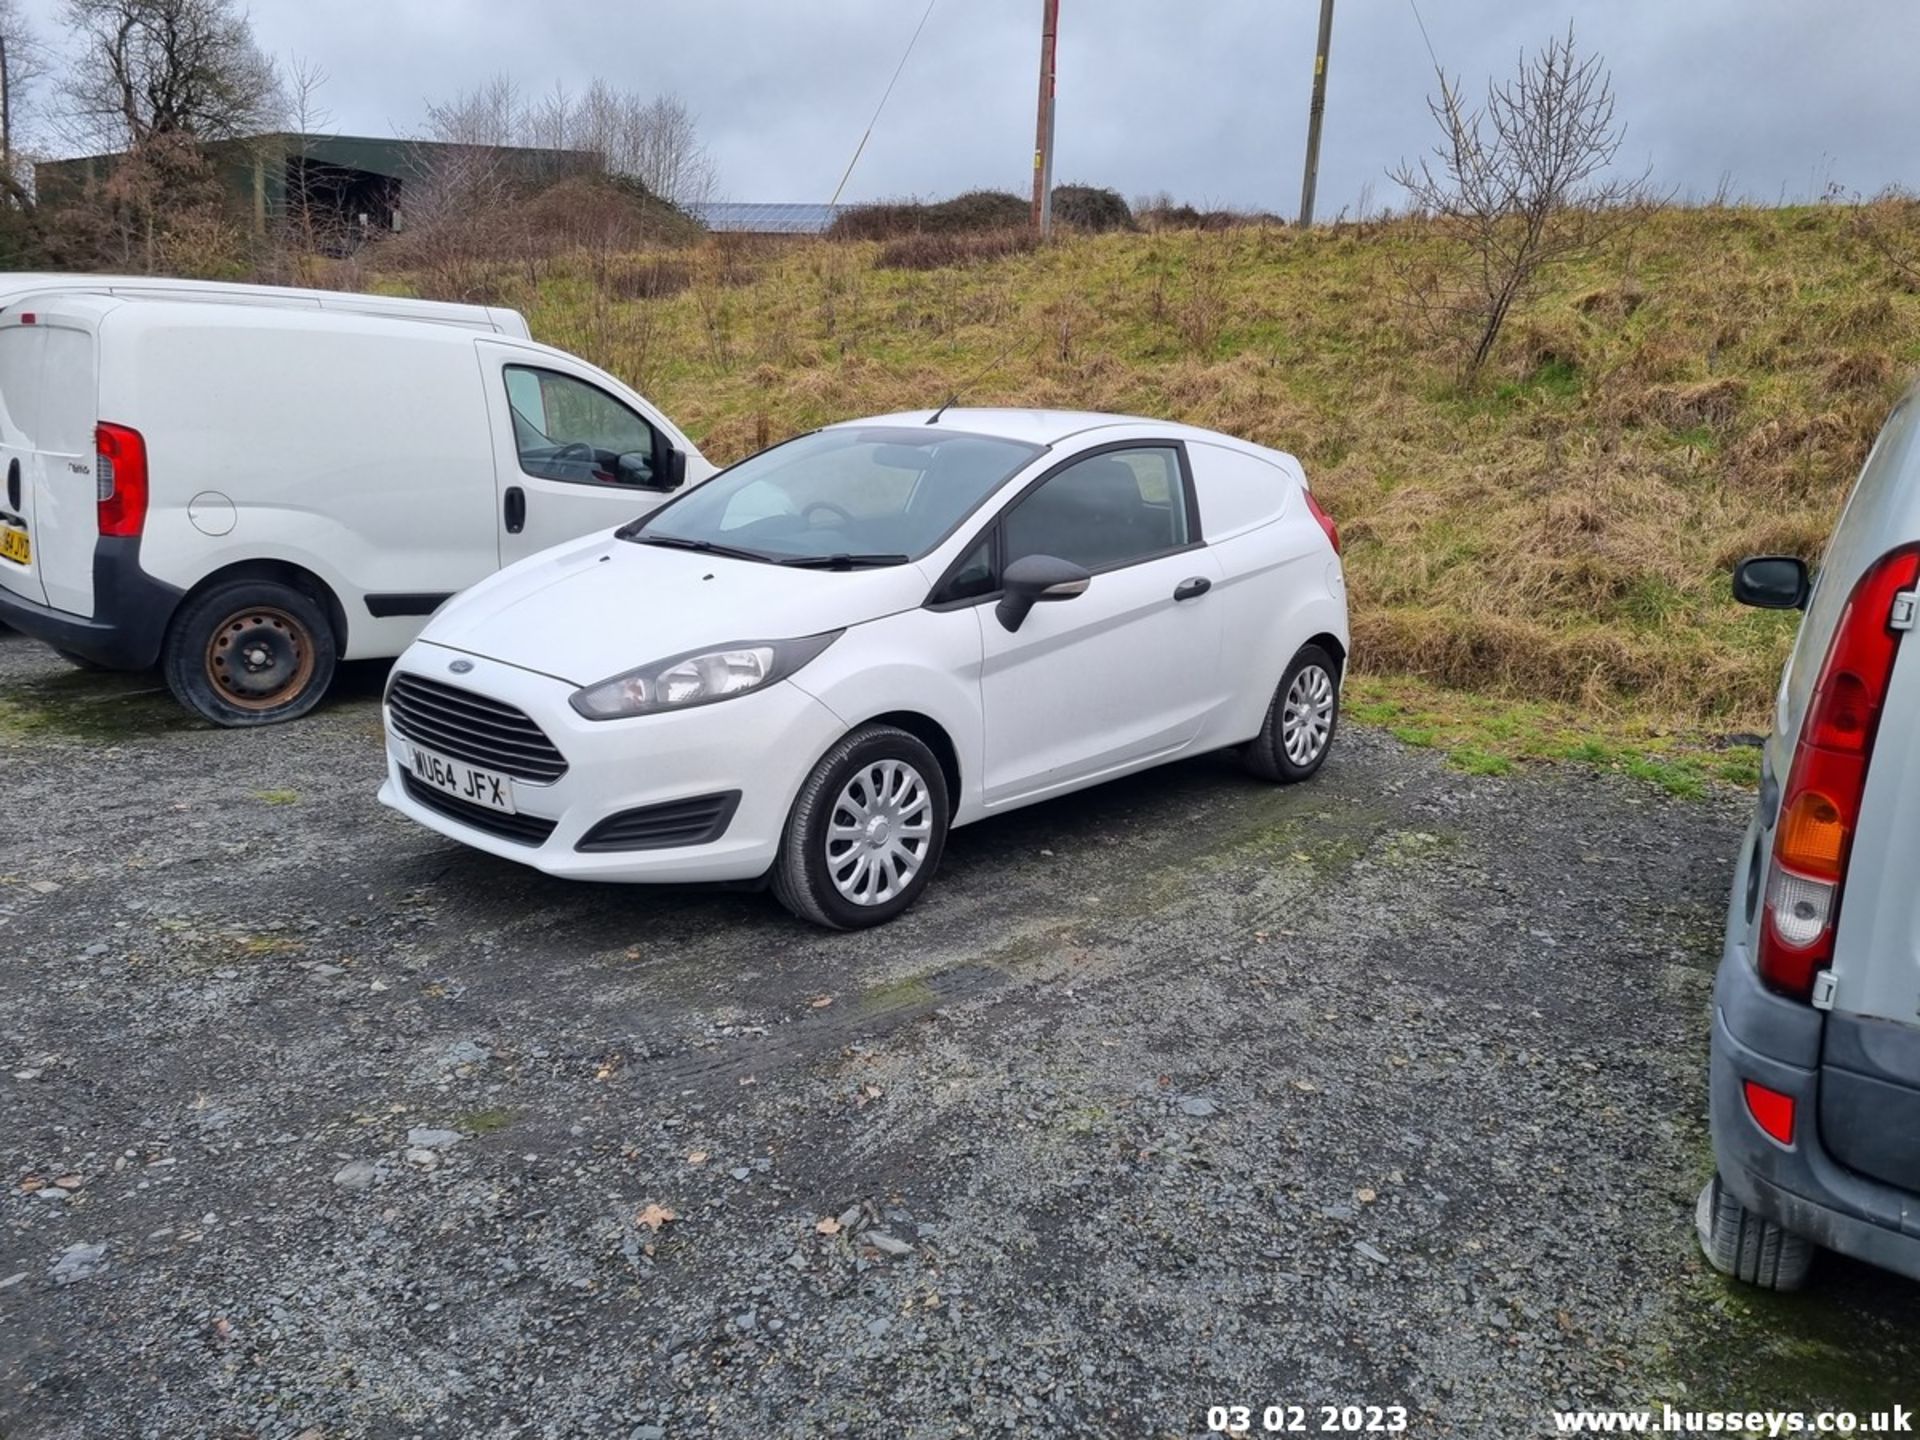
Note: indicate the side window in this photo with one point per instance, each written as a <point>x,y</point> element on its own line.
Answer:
<point>1109,510</point>
<point>566,429</point>
<point>974,577</point>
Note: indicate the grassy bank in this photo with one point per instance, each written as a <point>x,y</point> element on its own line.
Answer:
<point>1558,534</point>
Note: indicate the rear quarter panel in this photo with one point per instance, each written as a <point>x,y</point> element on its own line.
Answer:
<point>1282,583</point>
<point>362,455</point>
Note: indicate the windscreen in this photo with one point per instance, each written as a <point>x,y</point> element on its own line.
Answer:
<point>881,492</point>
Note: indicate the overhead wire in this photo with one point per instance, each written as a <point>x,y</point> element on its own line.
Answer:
<point>858,149</point>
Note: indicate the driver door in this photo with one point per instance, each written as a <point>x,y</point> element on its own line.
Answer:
<point>570,457</point>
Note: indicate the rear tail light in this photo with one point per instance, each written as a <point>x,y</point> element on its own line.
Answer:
<point>1821,806</point>
<point>1326,521</point>
<point>120,471</point>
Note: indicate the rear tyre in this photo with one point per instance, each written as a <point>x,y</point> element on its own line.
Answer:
<point>249,652</point>
<point>1740,1243</point>
<point>1301,720</point>
<point>866,831</point>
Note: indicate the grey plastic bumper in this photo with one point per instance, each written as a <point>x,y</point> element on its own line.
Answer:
<point>1759,1036</point>
<point>130,612</point>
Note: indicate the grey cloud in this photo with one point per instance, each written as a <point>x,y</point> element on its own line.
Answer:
<point>1206,99</point>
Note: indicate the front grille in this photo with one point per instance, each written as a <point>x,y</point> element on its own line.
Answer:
<point>475,728</point>
<point>521,829</point>
<point>661,827</point>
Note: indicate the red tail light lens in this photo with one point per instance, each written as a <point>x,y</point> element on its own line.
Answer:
<point>120,471</point>
<point>1821,806</point>
<point>1326,521</point>
<point>1771,1111</point>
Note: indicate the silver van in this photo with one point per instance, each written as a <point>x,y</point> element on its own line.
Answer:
<point>1816,1008</point>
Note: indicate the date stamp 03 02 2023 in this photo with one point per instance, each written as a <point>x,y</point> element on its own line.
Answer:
<point>1307,1419</point>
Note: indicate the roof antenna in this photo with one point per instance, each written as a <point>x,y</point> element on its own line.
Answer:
<point>975,378</point>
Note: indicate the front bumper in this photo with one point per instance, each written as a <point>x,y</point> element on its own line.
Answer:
<point>1760,1036</point>
<point>762,745</point>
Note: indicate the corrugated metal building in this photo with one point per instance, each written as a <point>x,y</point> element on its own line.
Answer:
<point>345,181</point>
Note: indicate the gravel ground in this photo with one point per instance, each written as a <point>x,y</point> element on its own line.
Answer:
<point>1184,1092</point>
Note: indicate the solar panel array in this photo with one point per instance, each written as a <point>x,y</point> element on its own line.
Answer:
<point>765,219</point>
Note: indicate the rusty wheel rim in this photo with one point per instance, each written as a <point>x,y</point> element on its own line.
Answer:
<point>259,658</point>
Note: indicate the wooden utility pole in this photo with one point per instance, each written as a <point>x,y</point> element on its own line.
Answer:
<point>1043,136</point>
<point>1314,113</point>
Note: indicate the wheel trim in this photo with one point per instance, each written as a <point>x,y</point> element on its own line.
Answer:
<point>879,832</point>
<point>1306,715</point>
<point>259,658</point>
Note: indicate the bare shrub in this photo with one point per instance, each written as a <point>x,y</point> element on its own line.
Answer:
<point>939,251</point>
<point>1516,187</point>
<point>975,210</point>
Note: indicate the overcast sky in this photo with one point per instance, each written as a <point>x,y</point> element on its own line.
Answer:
<point>1206,99</point>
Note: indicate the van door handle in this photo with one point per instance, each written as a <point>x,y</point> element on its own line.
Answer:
<point>516,510</point>
<point>13,484</point>
<point>1192,589</point>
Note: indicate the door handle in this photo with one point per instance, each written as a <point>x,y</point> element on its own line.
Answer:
<point>13,484</point>
<point>516,510</point>
<point>1192,589</point>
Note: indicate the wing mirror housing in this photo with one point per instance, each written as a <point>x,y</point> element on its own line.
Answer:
<point>1034,578</point>
<point>664,469</point>
<point>1772,582</point>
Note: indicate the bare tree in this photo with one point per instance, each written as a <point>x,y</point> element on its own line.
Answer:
<point>656,141</point>
<point>1518,185</point>
<point>488,114</point>
<point>145,69</point>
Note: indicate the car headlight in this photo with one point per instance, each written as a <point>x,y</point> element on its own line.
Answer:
<point>699,677</point>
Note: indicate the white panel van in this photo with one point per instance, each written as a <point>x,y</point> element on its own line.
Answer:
<point>245,494</point>
<point>15,284</point>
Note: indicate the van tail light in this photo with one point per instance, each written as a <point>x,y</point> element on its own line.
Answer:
<point>1326,521</point>
<point>1820,808</point>
<point>120,471</point>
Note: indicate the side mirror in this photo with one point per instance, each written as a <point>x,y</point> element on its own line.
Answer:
<point>1034,578</point>
<point>665,469</point>
<point>1772,582</point>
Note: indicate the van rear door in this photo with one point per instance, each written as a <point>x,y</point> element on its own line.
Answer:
<point>22,349</point>
<point>1870,1080</point>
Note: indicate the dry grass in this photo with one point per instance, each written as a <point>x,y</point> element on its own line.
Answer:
<point>1560,532</point>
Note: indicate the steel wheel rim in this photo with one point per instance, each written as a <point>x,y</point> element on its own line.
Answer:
<point>879,832</point>
<point>259,658</point>
<point>1306,717</point>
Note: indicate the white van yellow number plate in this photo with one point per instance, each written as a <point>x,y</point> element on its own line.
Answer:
<point>463,782</point>
<point>15,546</point>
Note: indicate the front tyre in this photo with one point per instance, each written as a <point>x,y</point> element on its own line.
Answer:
<point>1298,731</point>
<point>866,831</point>
<point>249,652</point>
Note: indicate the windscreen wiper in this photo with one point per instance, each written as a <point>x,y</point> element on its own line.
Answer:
<point>705,547</point>
<point>843,561</point>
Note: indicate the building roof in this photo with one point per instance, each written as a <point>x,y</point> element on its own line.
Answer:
<point>761,218</point>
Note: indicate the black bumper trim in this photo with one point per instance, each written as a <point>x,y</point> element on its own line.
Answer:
<point>383,607</point>
<point>131,611</point>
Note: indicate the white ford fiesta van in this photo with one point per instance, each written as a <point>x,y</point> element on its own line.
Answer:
<point>246,494</point>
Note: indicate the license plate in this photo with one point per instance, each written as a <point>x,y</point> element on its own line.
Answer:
<point>464,782</point>
<point>15,546</point>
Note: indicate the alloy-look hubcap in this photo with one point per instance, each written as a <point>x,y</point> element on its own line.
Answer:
<point>878,834</point>
<point>1306,719</point>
